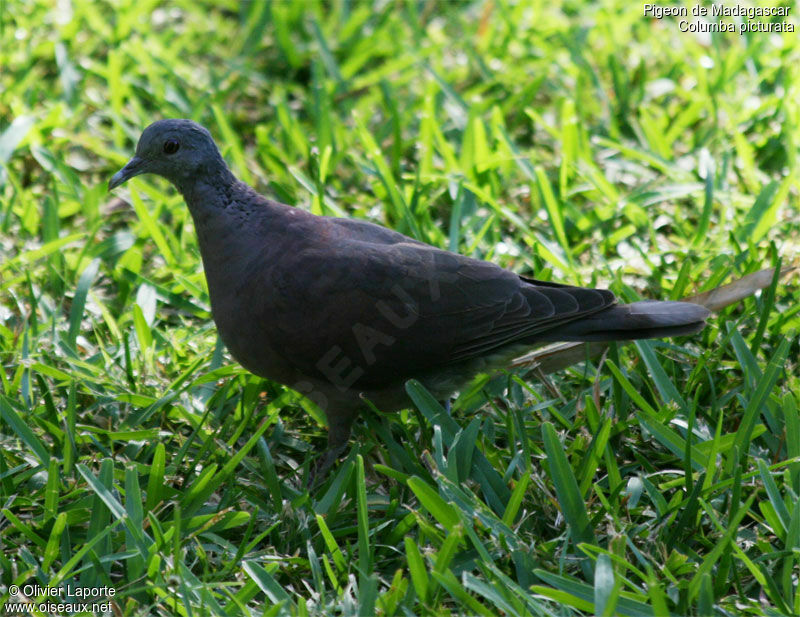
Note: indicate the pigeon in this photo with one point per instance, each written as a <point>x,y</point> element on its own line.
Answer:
<point>343,310</point>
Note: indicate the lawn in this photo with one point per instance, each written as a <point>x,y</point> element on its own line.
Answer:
<point>571,141</point>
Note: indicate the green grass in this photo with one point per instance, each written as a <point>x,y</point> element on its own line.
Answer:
<point>574,141</point>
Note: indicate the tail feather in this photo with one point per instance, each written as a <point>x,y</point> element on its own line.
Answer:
<point>646,319</point>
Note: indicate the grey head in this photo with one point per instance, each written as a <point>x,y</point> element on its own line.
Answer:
<point>177,149</point>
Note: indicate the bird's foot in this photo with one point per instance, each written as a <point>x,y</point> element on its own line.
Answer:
<point>323,465</point>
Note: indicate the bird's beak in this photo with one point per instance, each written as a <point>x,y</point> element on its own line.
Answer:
<point>134,167</point>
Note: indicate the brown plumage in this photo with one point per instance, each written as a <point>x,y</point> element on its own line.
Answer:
<point>342,309</point>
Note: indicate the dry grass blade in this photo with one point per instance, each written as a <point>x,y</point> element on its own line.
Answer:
<point>723,296</point>
<point>559,356</point>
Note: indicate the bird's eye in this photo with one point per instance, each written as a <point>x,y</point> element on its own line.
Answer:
<point>171,146</point>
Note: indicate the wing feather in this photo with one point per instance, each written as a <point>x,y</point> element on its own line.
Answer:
<point>423,308</point>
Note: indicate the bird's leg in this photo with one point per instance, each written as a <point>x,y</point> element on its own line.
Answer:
<point>339,426</point>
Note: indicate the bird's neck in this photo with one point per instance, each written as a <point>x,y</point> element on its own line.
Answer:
<point>200,184</point>
<point>216,206</point>
<point>226,214</point>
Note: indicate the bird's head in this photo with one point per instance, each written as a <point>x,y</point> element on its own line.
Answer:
<point>176,149</point>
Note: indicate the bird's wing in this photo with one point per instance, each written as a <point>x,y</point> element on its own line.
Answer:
<point>393,308</point>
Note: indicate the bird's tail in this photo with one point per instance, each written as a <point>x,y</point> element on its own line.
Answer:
<point>646,319</point>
